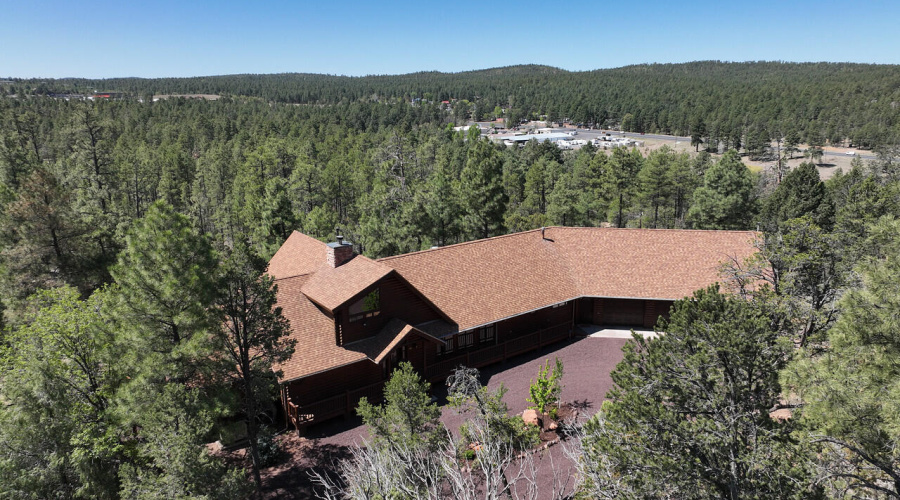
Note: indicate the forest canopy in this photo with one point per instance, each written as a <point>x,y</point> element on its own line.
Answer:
<point>833,101</point>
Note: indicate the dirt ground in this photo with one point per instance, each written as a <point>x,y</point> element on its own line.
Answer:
<point>829,166</point>
<point>587,363</point>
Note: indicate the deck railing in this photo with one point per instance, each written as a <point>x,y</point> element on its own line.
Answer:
<point>345,404</point>
<point>500,352</point>
<point>335,406</point>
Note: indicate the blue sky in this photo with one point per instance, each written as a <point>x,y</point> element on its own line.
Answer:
<point>157,38</point>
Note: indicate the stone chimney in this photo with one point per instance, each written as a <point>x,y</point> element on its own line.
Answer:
<point>339,252</point>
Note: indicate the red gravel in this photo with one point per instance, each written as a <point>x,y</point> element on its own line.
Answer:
<point>587,363</point>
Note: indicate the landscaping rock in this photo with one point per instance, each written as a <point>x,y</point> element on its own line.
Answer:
<point>531,417</point>
<point>553,426</point>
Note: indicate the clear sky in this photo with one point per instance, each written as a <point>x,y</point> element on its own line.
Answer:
<point>158,38</point>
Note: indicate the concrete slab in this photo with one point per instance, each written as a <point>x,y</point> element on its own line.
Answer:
<point>615,332</point>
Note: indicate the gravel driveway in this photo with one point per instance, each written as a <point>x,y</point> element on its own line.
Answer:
<point>587,365</point>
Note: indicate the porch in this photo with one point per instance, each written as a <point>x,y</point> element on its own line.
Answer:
<point>302,415</point>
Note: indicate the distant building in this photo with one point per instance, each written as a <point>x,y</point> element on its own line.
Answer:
<point>107,95</point>
<point>522,139</point>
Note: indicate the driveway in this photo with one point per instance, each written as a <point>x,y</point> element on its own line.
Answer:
<point>587,363</point>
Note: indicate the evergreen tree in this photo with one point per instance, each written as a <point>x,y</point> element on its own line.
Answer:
<point>726,200</point>
<point>698,132</point>
<point>408,417</point>
<point>171,461</point>
<point>481,190</point>
<point>655,184</point>
<point>689,414</point>
<point>58,433</point>
<point>801,192</point>
<point>166,278</point>
<point>618,180</point>
<point>851,391</point>
<point>252,338</point>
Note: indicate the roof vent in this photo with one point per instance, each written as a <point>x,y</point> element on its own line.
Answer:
<point>544,236</point>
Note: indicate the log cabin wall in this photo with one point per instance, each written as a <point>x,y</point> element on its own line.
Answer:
<point>334,382</point>
<point>396,300</point>
<point>629,312</point>
<point>524,324</point>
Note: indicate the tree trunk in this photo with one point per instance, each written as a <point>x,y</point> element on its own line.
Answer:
<point>252,432</point>
<point>619,221</point>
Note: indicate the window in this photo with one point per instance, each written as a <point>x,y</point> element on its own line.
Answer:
<point>487,333</point>
<point>465,339</point>
<point>366,307</point>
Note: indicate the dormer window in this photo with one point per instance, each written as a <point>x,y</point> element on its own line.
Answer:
<point>367,307</point>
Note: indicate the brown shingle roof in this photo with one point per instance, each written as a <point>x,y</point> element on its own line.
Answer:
<point>316,348</point>
<point>331,287</point>
<point>484,281</point>
<point>300,254</point>
<point>647,263</point>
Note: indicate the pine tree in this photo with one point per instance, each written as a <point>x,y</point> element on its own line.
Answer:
<point>253,337</point>
<point>481,190</point>
<point>851,391</point>
<point>689,414</point>
<point>166,278</point>
<point>726,200</point>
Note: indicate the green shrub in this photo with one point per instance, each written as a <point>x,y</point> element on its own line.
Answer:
<point>546,389</point>
<point>269,450</point>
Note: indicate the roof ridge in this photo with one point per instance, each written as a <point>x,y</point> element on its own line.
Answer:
<point>290,277</point>
<point>373,261</point>
<point>666,229</point>
<point>566,228</point>
<point>317,240</point>
<point>470,242</point>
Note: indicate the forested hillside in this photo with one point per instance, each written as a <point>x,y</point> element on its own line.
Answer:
<point>818,101</point>
<point>393,177</point>
<point>132,231</point>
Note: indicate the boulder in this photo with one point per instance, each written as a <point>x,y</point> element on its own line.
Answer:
<point>553,426</point>
<point>531,417</point>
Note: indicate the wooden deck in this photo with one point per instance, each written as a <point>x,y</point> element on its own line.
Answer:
<point>500,352</point>
<point>301,416</point>
<point>342,404</point>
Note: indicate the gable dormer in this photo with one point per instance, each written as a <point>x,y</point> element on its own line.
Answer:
<point>391,297</point>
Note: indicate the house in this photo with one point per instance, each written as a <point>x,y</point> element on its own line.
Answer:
<point>473,303</point>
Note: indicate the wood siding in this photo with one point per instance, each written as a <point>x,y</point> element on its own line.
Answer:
<point>629,312</point>
<point>397,300</point>
<point>334,382</point>
<point>517,326</point>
